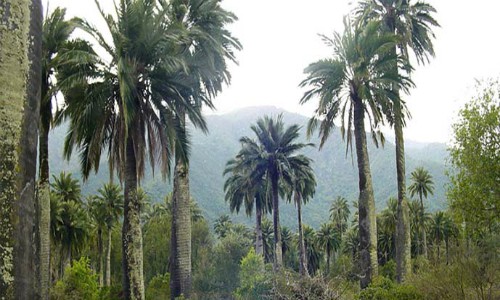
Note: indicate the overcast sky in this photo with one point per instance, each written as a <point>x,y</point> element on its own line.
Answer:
<point>280,38</point>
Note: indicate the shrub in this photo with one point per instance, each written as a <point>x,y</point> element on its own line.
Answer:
<point>389,270</point>
<point>79,283</point>
<point>383,288</point>
<point>158,288</point>
<point>290,286</point>
<point>254,280</point>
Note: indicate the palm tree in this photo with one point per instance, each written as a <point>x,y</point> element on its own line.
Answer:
<point>286,241</point>
<point>208,44</point>
<point>95,207</point>
<point>412,23</point>
<point>241,188</point>
<point>422,185</point>
<point>20,69</point>
<point>386,226</point>
<point>272,156</point>
<point>303,188</point>
<point>222,226</point>
<point>267,240</point>
<point>329,240</point>
<point>355,85</point>
<point>66,187</point>
<point>450,231</point>
<point>437,230</point>
<point>339,214</point>
<point>111,201</point>
<point>312,250</point>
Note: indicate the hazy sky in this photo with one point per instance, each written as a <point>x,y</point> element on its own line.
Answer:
<point>280,38</point>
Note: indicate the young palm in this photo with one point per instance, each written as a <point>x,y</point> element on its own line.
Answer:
<point>412,23</point>
<point>437,230</point>
<point>272,157</point>
<point>111,198</point>
<point>422,185</point>
<point>329,240</point>
<point>355,85</point>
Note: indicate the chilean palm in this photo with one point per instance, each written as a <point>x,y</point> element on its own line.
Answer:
<point>437,230</point>
<point>329,240</point>
<point>95,207</point>
<point>412,23</point>
<point>222,226</point>
<point>312,250</point>
<point>272,156</point>
<point>422,185</point>
<point>111,203</point>
<point>355,86</point>
<point>339,214</point>
<point>20,74</point>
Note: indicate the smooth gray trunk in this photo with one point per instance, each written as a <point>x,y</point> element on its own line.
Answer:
<point>259,247</point>
<point>278,255</point>
<point>422,227</point>
<point>302,250</point>
<point>367,219</point>
<point>107,276</point>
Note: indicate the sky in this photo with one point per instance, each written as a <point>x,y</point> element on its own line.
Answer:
<point>281,37</point>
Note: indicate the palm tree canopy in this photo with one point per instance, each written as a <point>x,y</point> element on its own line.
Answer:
<point>339,211</point>
<point>110,195</point>
<point>362,68</point>
<point>422,183</point>
<point>66,188</point>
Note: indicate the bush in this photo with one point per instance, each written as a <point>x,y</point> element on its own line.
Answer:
<point>79,283</point>
<point>290,286</point>
<point>158,288</point>
<point>383,288</point>
<point>389,270</point>
<point>255,282</point>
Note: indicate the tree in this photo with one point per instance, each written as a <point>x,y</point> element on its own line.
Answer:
<point>386,227</point>
<point>112,205</point>
<point>95,207</point>
<point>339,214</point>
<point>329,240</point>
<point>355,85</point>
<point>412,23</point>
<point>475,160</point>
<point>422,185</point>
<point>20,74</point>
<point>222,226</point>
<point>272,156</point>
<point>437,230</point>
<point>312,251</point>
<point>206,47</point>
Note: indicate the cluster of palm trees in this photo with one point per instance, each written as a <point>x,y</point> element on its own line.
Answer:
<point>164,61</point>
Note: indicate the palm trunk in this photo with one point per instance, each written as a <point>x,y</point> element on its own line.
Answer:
<point>180,264</point>
<point>403,236</point>
<point>422,227</point>
<point>328,260</point>
<point>107,280</point>
<point>302,250</point>
<point>437,243</point>
<point>447,249</point>
<point>259,248</point>
<point>278,257</point>
<point>100,256</point>
<point>20,49</point>
<point>132,264</point>
<point>367,219</point>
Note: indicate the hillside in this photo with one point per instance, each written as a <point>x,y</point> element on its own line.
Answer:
<point>336,174</point>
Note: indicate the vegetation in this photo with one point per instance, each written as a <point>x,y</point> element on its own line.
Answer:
<point>163,62</point>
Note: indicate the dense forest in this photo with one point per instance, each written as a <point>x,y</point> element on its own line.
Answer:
<point>115,184</point>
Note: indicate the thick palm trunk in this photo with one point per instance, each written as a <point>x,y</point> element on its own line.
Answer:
<point>20,75</point>
<point>403,236</point>
<point>367,219</point>
<point>107,276</point>
<point>132,264</point>
<point>180,272</point>
<point>278,256</point>
<point>259,247</point>
<point>302,250</point>
<point>422,227</point>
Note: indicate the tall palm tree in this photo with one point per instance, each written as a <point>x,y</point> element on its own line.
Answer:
<point>312,250</point>
<point>286,241</point>
<point>128,107</point>
<point>207,47</point>
<point>355,85</point>
<point>437,230</point>
<point>303,188</point>
<point>386,227</point>
<point>339,214</point>
<point>412,23</point>
<point>422,185</point>
<point>95,208</point>
<point>272,156</point>
<point>66,187</point>
<point>241,188</point>
<point>20,69</point>
<point>111,200</point>
<point>222,226</point>
<point>329,240</point>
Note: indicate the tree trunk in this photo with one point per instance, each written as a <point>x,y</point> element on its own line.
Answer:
<point>446,243</point>
<point>302,250</point>
<point>422,227</point>
<point>20,79</point>
<point>367,219</point>
<point>403,236</point>
<point>328,260</point>
<point>438,248</point>
<point>278,257</point>
<point>107,276</point>
<point>132,264</point>
<point>100,250</point>
<point>259,248</point>
<point>180,264</point>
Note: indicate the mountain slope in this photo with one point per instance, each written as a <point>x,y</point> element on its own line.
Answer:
<point>336,173</point>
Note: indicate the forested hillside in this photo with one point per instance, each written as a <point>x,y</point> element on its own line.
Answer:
<point>212,151</point>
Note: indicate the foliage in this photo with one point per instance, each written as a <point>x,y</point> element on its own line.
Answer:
<point>383,288</point>
<point>474,193</point>
<point>158,288</point>
<point>289,286</point>
<point>79,283</point>
<point>389,270</point>
<point>255,282</point>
